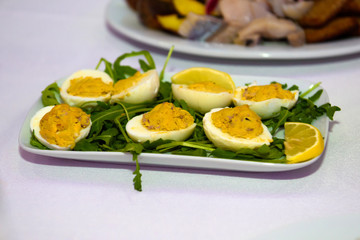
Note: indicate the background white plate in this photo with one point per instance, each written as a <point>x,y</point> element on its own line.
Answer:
<point>177,160</point>
<point>125,21</point>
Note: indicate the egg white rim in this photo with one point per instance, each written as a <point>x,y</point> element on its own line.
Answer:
<point>155,134</point>
<point>143,81</point>
<point>66,97</point>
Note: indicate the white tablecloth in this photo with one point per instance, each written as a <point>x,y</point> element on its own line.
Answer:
<point>51,198</point>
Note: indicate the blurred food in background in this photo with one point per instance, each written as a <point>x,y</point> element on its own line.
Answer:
<point>250,22</point>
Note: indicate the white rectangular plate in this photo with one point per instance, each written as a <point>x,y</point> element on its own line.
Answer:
<point>178,160</point>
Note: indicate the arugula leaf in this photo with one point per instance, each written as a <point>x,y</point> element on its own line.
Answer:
<point>153,145</point>
<point>285,86</point>
<point>107,135</point>
<point>190,152</point>
<point>220,153</point>
<point>99,118</point>
<point>161,77</point>
<point>272,153</point>
<point>316,96</point>
<point>108,68</point>
<point>144,66</point>
<point>167,146</point>
<point>118,123</point>
<point>118,72</point>
<point>267,155</point>
<point>34,142</point>
<point>98,107</point>
<point>199,133</point>
<point>330,110</point>
<point>137,179</point>
<point>304,111</point>
<point>135,149</point>
<point>311,88</point>
<point>50,95</point>
<point>275,123</point>
<point>123,72</point>
<point>293,88</point>
<point>86,145</point>
<point>165,92</point>
<point>182,104</point>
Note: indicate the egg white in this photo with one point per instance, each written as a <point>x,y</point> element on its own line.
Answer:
<point>35,127</point>
<point>145,90</point>
<point>268,108</point>
<point>227,142</point>
<point>199,100</point>
<point>80,100</point>
<point>139,133</point>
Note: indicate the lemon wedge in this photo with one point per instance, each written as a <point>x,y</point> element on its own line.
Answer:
<point>302,142</point>
<point>202,74</point>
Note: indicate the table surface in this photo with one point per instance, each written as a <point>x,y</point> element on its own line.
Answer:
<point>52,198</point>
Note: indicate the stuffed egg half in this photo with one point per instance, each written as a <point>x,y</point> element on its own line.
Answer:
<point>141,87</point>
<point>265,100</point>
<point>203,88</point>
<point>165,121</point>
<point>61,126</point>
<point>86,86</point>
<point>235,128</point>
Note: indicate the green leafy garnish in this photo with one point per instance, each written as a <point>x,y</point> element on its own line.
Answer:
<point>135,149</point>
<point>35,143</point>
<point>118,72</point>
<point>86,145</point>
<point>50,95</point>
<point>161,77</point>
<point>304,111</point>
<point>311,88</point>
<point>272,153</point>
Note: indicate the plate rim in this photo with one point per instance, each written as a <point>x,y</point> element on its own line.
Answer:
<point>117,11</point>
<point>157,159</point>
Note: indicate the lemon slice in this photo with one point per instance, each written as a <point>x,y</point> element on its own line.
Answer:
<point>302,142</point>
<point>202,74</point>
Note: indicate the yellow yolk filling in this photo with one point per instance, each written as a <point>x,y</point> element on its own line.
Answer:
<point>123,85</point>
<point>89,87</point>
<point>167,117</point>
<point>239,122</point>
<point>62,125</point>
<point>265,92</point>
<point>207,87</point>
